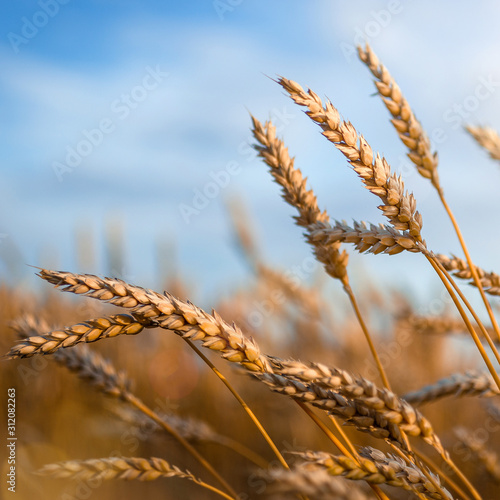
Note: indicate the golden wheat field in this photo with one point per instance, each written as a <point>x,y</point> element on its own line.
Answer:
<point>290,388</point>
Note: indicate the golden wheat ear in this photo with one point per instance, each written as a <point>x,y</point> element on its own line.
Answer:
<point>487,138</point>
<point>403,119</point>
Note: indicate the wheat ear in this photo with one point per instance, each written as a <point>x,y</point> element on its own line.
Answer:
<point>128,468</point>
<point>379,408</point>
<point>398,206</point>
<point>370,239</point>
<point>413,136</point>
<point>377,468</point>
<point>407,126</point>
<point>490,281</point>
<point>460,384</point>
<point>488,138</point>
<point>295,192</point>
<point>315,483</point>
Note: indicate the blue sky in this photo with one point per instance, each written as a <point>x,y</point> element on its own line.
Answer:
<point>170,84</point>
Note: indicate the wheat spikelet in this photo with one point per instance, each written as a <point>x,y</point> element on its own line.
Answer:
<point>149,309</point>
<point>488,138</point>
<point>399,206</point>
<point>487,457</point>
<point>374,467</point>
<point>129,468</point>
<point>409,129</point>
<point>460,384</point>
<point>294,190</point>
<point>377,407</point>
<point>490,281</point>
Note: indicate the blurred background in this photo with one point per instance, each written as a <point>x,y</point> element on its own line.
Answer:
<point>125,141</point>
<point>117,115</point>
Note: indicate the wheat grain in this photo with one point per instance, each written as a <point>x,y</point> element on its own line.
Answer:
<point>488,138</point>
<point>399,206</point>
<point>409,129</point>
<point>460,384</point>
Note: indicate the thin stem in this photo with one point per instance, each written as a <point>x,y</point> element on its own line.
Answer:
<point>133,400</point>
<point>467,304</point>
<point>467,322</point>
<point>244,451</point>
<point>213,488</point>
<point>327,431</point>
<point>471,265</point>
<point>354,304</point>
<point>242,403</point>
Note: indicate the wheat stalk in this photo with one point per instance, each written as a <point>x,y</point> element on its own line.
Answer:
<point>100,373</point>
<point>413,136</point>
<point>460,384</point>
<point>488,138</point>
